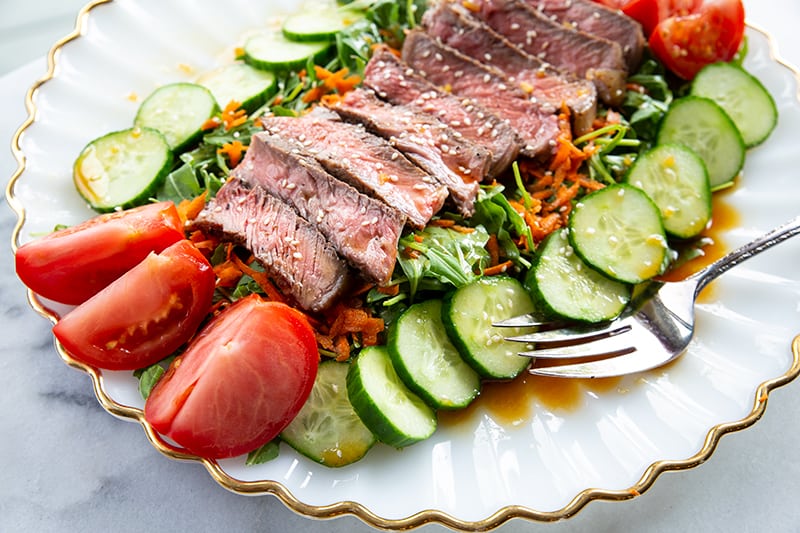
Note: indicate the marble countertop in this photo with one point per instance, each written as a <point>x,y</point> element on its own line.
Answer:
<point>67,465</point>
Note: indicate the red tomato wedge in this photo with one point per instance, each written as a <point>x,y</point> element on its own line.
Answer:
<point>143,316</point>
<point>650,12</point>
<point>239,383</point>
<point>714,32</point>
<point>72,265</point>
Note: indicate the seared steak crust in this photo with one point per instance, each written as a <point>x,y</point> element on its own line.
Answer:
<point>597,19</point>
<point>365,161</point>
<point>454,26</point>
<point>443,153</point>
<point>466,77</point>
<point>293,252</point>
<point>363,230</point>
<point>396,82</point>
<point>596,59</point>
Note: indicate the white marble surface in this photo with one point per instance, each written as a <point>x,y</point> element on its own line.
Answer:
<point>67,465</point>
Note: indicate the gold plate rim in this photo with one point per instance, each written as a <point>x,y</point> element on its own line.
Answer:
<point>356,509</point>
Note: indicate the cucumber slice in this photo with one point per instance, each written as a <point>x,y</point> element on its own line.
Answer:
<point>327,429</point>
<point>270,50</point>
<point>675,178</point>
<point>703,126</point>
<point>240,82</point>
<point>122,169</point>
<point>743,97</point>
<point>393,413</point>
<point>567,288</point>
<point>618,231</point>
<point>318,26</point>
<point>468,314</point>
<point>427,361</point>
<point>178,111</point>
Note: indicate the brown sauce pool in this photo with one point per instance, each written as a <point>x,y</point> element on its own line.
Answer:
<point>512,402</point>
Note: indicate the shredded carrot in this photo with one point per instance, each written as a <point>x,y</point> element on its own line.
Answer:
<point>499,268</point>
<point>390,290</point>
<point>189,209</point>
<point>233,115</point>
<point>259,277</point>
<point>493,247</point>
<point>233,151</point>
<point>442,222</point>
<point>333,83</point>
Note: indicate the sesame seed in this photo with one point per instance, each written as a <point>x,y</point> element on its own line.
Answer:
<point>297,255</point>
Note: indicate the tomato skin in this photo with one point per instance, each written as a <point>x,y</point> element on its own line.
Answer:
<point>143,316</point>
<point>650,12</point>
<point>72,265</point>
<point>239,383</point>
<point>613,4</point>
<point>685,44</point>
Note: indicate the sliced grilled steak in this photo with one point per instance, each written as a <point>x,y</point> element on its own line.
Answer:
<point>596,59</point>
<point>597,19</point>
<point>427,141</point>
<point>363,230</point>
<point>293,252</point>
<point>453,24</point>
<point>365,161</point>
<point>466,77</point>
<point>396,82</point>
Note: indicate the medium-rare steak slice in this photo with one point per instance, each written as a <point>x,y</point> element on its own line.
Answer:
<point>365,161</point>
<point>457,163</point>
<point>453,24</point>
<point>364,231</point>
<point>293,252</point>
<point>597,19</point>
<point>466,77</point>
<point>396,82</point>
<point>596,59</point>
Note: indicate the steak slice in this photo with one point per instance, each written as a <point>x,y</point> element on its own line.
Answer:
<point>396,82</point>
<point>597,19</point>
<point>596,59</point>
<point>454,26</point>
<point>364,231</point>
<point>365,161</point>
<point>457,163</point>
<point>492,89</point>
<point>293,252</point>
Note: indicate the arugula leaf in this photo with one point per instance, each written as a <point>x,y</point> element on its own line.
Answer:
<point>264,454</point>
<point>149,376</point>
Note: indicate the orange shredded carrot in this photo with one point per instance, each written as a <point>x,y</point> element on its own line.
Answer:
<point>390,290</point>
<point>189,209</point>
<point>493,247</point>
<point>233,115</point>
<point>211,124</point>
<point>233,151</point>
<point>442,222</point>
<point>341,347</point>
<point>259,277</point>
<point>499,268</point>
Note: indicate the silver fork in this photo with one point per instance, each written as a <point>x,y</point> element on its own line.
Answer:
<point>656,328</point>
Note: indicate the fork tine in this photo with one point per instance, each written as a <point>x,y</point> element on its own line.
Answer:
<point>602,347</point>
<point>574,334</point>
<point>621,365</point>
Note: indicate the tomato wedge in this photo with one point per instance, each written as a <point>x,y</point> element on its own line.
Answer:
<point>239,383</point>
<point>712,33</point>
<point>72,265</point>
<point>650,12</point>
<point>145,315</point>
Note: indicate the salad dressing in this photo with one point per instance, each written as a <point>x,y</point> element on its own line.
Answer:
<point>512,403</point>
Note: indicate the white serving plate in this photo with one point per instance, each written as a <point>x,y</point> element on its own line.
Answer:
<point>549,454</point>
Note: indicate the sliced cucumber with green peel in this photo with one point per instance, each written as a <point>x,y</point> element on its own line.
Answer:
<point>675,178</point>
<point>618,231</point>
<point>468,314</point>
<point>178,111</point>
<point>743,97</point>
<point>396,416</point>
<point>565,287</point>
<point>427,361</point>
<point>240,82</point>
<point>322,25</point>
<point>706,128</point>
<point>122,169</point>
<point>271,50</point>
<point>327,429</point>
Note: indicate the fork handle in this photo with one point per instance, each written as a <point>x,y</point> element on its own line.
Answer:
<point>755,247</point>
